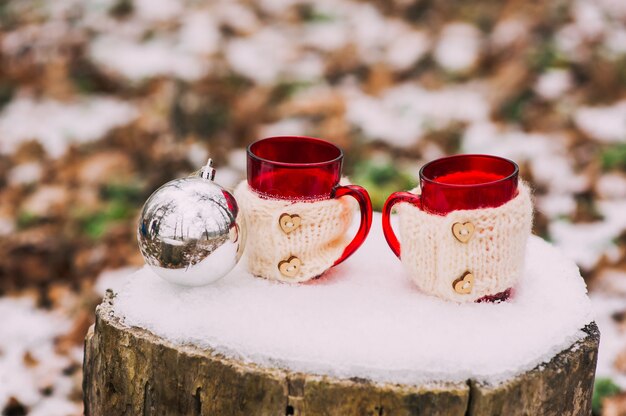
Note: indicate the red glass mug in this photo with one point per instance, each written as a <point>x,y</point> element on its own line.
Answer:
<point>461,182</point>
<point>299,168</point>
<point>453,183</point>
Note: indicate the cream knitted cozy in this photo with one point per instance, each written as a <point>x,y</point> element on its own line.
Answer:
<point>493,251</point>
<point>293,241</point>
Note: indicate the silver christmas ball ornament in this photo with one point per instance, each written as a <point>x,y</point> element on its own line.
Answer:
<point>191,231</point>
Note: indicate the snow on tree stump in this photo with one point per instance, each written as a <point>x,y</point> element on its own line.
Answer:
<point>360,341</point>
<point>131,371</point>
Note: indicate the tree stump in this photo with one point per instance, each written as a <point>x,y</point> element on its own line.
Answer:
<point>130,371</point>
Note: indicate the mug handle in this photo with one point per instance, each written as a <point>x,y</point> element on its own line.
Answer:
<point>393,199</point>
<point>365,206</point>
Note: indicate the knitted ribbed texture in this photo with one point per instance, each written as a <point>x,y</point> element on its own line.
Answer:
<point>317,242</point>
<point>494,253</point>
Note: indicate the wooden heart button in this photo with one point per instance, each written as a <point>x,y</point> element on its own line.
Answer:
<point>463,231</point>
<point>289,223</point>
<point>290,267</point>
<point>464,285</point>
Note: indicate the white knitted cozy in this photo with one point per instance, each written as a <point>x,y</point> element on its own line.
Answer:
<point>293,241</point>
<point>493,253</point>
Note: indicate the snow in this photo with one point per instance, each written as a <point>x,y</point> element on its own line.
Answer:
<point>46,200</point>
<point>508,31</point>
<point>276,6</point>
<point>615,42</point>
<point>369,29</point>
<point>26,329</point>
<point>237,16</point>
<point>553,83</point>
<point>404,112</point>
<point>366,319</point>
<point>611,281</point>
<point>569,40</point>
<point>56,406</point>
<point>555,171</point>
<point>237,159</point>
<point>375,38</point>
<point>606,124</point>
<point>309,66</point>
<point>613,8</point>
<point>547,154</point>
<point>261,57</point>
<point>40,40</point>
<point>160,56</point>
<point>459,47</point>
<point>228,177</point>
<point>7,226</point>
<point>589,18</point>
<point>114,279</point>
<point>285,127</point>
<point>406,49</point>
<point>270,56</point>
<point>556,205</point>
<point>611,186</point>
<point>158,10</point>
<point>25,173</point>
<point>613,340</point>
<point>59,124</point>
<point>326,36</point>
<point>197,154</point>
<point>199,33</point>
<point>586,243</point>
<point>430,151</point>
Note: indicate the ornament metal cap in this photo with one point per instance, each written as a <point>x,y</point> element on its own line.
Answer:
<point>207,171</point>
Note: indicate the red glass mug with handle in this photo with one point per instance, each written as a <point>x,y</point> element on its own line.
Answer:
<point>298,179</point>
<point>460,183</point>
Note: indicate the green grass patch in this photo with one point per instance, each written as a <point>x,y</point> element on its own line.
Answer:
<point>6,93</point>
<point>130,192</point>
<point>121,201</point>
<point>287,89</point>
<point>603,387</point>
<point>96,225</point>
<point>310,14</point>
<point>546,55</point>
<point>380,180</point>
<point>513,110</point>
<point>614,157</point>
<point>26,219</point>
<point>122,9</point>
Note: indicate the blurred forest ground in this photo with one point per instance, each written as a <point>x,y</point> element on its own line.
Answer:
<point>102,101</point>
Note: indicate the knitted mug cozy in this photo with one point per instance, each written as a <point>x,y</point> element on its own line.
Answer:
<point>293,241</point>
<point>466,254</point>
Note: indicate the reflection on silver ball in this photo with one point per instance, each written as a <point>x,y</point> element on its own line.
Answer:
<point>191,231</point>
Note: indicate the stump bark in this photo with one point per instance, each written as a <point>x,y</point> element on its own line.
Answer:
<point>130,371</point>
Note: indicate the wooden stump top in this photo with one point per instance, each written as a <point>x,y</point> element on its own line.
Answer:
<point>132,371</point>
<point>366,319</point>
<point>186,363</point>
